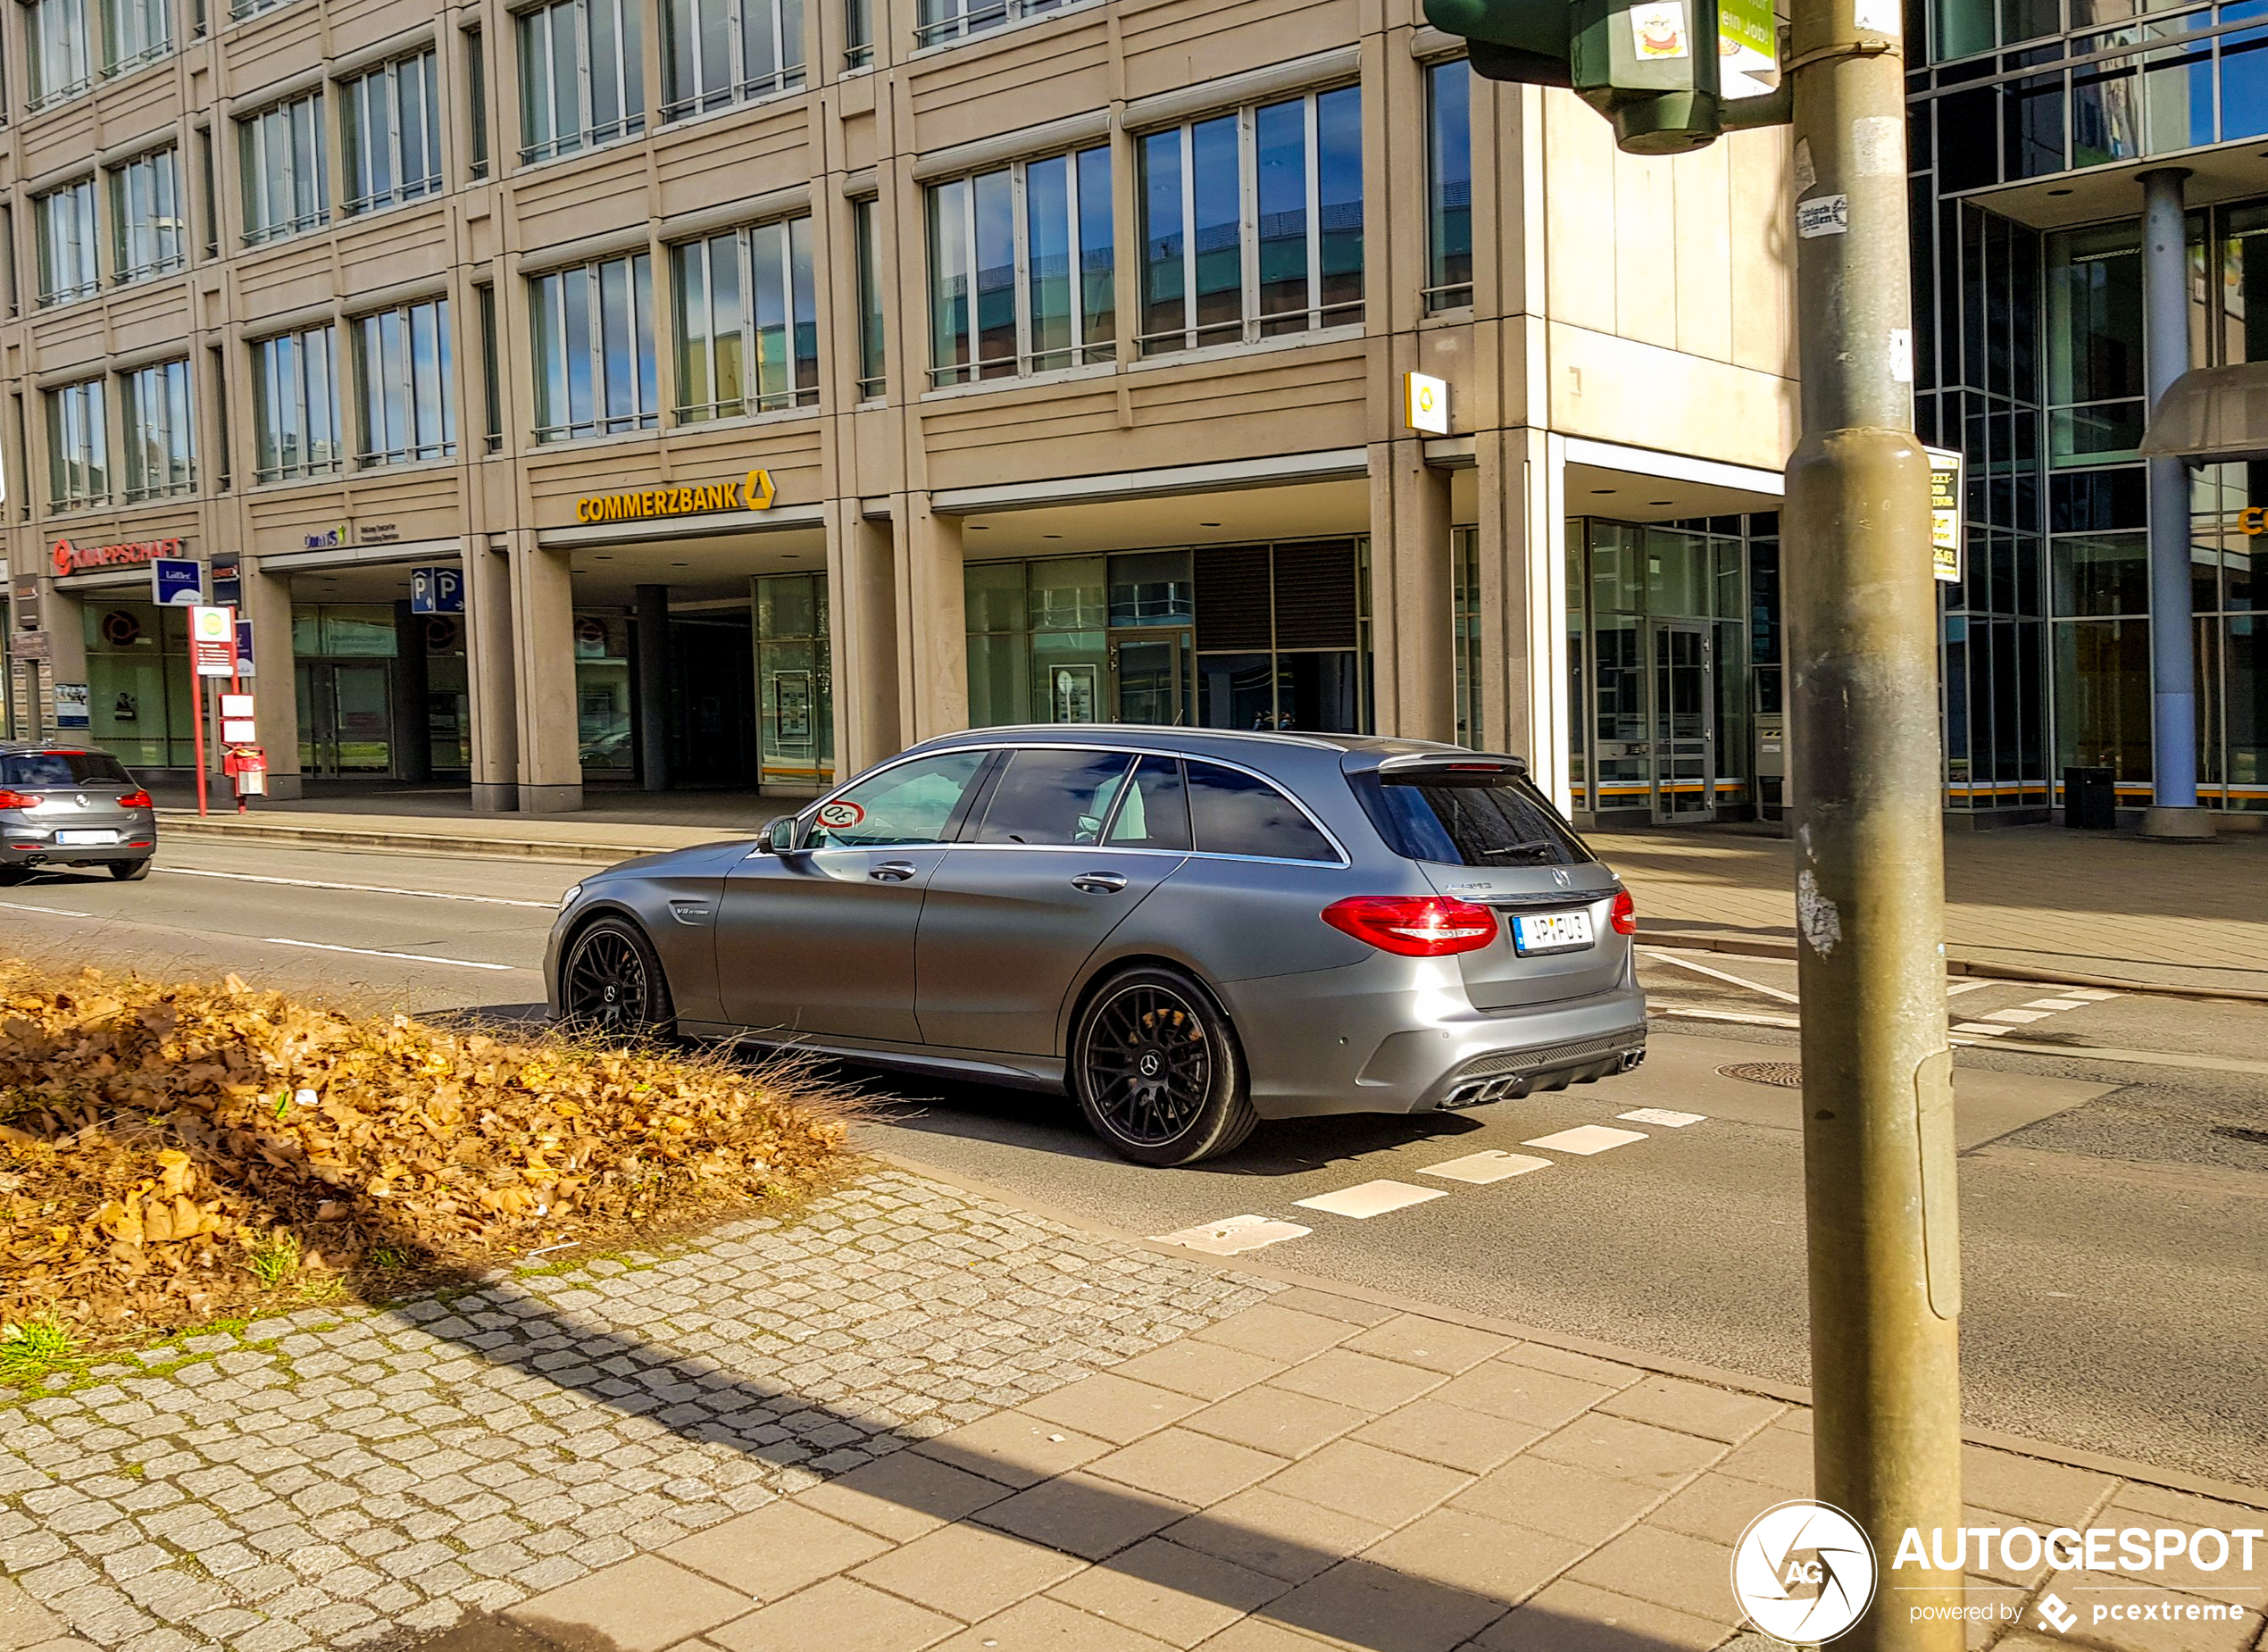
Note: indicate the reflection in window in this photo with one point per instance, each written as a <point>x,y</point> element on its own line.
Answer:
<point>1020,269</point>
<point>409,399</point>
<point>1448,197</point>
<point>2094,383</point>
<point>159,417</point>
<point>285,190</point>
<point>594,348</point>
<point>78,446</point>
<point>726,52</point>
<point>392,132</point>
<point>55,39</point>
<point>145,216</point>
<point>66,228</point>
<point>581,76</point>
<point>294,391</point>
<point>872,373</point>
<point>748,321</point>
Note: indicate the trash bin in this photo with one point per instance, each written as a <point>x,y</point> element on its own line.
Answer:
<point>2090,799</point>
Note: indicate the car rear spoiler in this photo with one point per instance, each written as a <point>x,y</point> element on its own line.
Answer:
<point>1408,766</point>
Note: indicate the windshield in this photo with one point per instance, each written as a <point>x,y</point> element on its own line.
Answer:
<point>46,770</point>
<point>1469,819</point>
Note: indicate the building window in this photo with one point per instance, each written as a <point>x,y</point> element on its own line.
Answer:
<point>239,10</point>
<point>1252,223</point>
<point>1465,634</point>
<point>873,374</point>
<point>582,77</point>
<point>78,446</point>
<point>1020,269</point>
<point>135,32</point>
<point>594,347</point>
<point>402,364</point>
<point>294,389</point>
<point>726,52</point>
<point>476,85</point>
<point>55,37</point>
<point>491,380</point>
<point>858,34</point>
<point>284,192</point>
<point>2095,391</point>
<point>950,19</point>
<point>159,417</point>
<point>747,330</point>
<point>145,216</point>
<point>66,226</point>
<point>1448,186</point>
<point>392,133</point>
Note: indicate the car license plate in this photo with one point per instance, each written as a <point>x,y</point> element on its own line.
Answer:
<point>1554,932</point>
<point>77,838</point>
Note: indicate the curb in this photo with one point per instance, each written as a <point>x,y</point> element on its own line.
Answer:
<point>1767,947</point>
<point>402,843</point>
<point>1662,1364</point>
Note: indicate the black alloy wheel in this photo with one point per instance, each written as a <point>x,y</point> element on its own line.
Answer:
<point>613,983</point>
<point>1157,1071</point>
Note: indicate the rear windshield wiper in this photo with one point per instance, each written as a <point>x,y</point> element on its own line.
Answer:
<point>1532,847</point>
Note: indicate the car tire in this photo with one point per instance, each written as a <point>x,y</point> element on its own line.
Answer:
<point>611,982</point>
<point>130,872</point>
<point>1157,1071</point>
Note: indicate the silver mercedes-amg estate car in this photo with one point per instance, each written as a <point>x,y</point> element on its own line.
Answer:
<point>1189,931</point>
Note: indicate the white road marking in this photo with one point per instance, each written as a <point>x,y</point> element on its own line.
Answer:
<point>1981,1029</point>
<point>2093,995</point>
<point>1372,1198</point>
<point>2017,1018</point>
<point>53,912</point>
<point>1702,969</point>
<point>1664,1116</point>
<point>1955,988</point>
<point>373,952</point>
<point>356,889</point>
<point>1743,1017</point>
<point>1587,1140</point>
<point>2057,1003</point>
<point>1491,1164</point>
<point>1233,1236</point>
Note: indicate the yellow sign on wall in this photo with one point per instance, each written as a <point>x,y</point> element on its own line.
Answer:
<point>752,492</point>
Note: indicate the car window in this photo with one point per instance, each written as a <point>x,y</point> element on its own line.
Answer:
<point>1053,796</point>
<point>34,770</point>
<point>1156,814</point>
<point>1480,820</point>
<point>1233,812</point>
<point>913,802</point>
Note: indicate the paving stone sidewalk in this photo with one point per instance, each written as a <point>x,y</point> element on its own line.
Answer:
<point>331,1478</point>
<point>922,1419</point>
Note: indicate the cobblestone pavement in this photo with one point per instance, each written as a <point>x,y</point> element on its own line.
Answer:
<point>327,1478</point>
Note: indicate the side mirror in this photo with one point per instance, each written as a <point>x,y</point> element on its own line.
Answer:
<point>778,836</point>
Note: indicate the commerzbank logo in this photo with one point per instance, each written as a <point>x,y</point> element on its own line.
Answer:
<point>1804,1572</point>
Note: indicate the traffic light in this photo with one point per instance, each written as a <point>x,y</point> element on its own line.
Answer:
<point>1672,75</point>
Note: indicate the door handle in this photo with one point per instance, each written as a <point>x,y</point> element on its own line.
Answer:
<point>1099,882</point>
<point>893,872</point>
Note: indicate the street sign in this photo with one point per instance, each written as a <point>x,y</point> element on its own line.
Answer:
<point>436,590</point>
<point>1945,514</point>
<point>243,648</point>
<point>228,584</point>
<point>236,720</point>
<point>176,581</point>
<point>29,646</point>
<point>212,641</point>
<point>236,706</point>
<point>1425,403</point>
<point>70,705</point>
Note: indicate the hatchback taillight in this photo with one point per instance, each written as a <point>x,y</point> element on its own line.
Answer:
<point>1624,915</point>
<point>135,800</point>
<point>18,800</point>
<point>1414,926</point>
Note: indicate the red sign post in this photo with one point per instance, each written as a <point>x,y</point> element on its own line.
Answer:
<point>213,653</point>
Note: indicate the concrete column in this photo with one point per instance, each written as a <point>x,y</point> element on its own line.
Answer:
<point>862,574</point>
<point>490,678</point>
<point>543,606</point>
<point>1413,597</point>
<point>413,743</point>
<point>275,683</point>
<point>932,632</point>
<point>63,616</point>
<point>1523,602</point>
<point>653,686</point>
<point>2174,667</point>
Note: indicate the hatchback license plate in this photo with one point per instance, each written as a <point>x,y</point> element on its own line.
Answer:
<point>76,839</point>
<point>1556,931</point>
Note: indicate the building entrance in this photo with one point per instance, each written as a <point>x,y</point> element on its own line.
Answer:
<point>1683,723</point>
<point>345,717</point>
<point>1150,677</point>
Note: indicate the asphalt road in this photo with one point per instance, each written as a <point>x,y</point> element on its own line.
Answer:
<point>2116,1249</point>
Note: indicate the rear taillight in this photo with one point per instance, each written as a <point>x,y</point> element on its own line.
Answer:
<point>18,800</point>
<point>135,800</point>
<point>1414,926</point>
<point>1624,915</point>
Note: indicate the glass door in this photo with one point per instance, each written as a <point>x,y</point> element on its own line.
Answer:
<point>1684,723</point>
<point>345,717</point>
<point>1150,677</point>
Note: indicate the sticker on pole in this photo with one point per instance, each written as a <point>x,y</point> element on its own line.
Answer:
<point>1657,29</point>
<point>840,814</point>
<point>1831,214</point>
<point>1804,1572</point>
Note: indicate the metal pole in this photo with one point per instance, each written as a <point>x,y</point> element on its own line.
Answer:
<point>1861,633</point>
<point>2165,358</point>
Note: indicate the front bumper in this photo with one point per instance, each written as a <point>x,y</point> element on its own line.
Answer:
<point>1400,1036</point>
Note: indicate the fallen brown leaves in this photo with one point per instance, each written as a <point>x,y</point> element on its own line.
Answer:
<point>170,1153</point>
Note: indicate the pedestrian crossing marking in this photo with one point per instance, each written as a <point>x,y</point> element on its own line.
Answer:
<point>1372,1198</point>
<point>1491,1164</point>
<point>1587,1140</point>
<point>1233,1236</point>
<point>1663,1115</point>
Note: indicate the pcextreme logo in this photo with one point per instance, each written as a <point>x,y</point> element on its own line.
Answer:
<point>1804,1572</point>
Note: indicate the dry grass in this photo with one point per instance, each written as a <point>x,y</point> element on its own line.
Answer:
<point>171,1152</point>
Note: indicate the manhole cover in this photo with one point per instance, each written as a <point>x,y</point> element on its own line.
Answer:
<point>1780,1074</point>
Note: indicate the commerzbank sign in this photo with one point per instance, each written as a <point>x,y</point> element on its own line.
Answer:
<point>752,492</point>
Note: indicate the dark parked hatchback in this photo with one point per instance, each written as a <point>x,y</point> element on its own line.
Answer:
<point>65,806</point>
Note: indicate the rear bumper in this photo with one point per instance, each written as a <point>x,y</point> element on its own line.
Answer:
<point>77,855</point>
<point>1400,1036</point>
